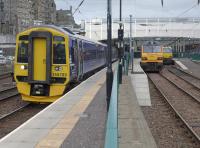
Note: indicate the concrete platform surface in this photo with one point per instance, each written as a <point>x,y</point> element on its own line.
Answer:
<point>76,120</point>
<point>140,83</point>
<point>181,65</point>
<point>133,129</point>
<point>137,68</point>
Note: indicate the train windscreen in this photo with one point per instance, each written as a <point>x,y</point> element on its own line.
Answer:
<point>59,54</point>
<point>152,49</point>
<point>167,50</point>
<point>22,56</point>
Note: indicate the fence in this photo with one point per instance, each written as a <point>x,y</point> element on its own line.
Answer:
<point>111,140</point>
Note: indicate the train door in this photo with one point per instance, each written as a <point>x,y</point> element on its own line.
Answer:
<point>76,64</point>
<point>80,60</point>
<point>73,50</point>
<point>76,57</point>
<point>39,54</point>
<point>39,61</point>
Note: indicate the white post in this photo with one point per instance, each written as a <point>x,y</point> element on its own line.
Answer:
<point>101,29</point>
<point>158,27</point>
<point>130,31</point>
<point>135,32</point>
<point>90,28</point>
<point>146,29</point>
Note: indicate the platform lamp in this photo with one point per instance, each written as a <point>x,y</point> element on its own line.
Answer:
<point>109,73</point>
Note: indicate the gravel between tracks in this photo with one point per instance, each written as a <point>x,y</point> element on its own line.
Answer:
<point>12,122</point>
<point>187,107</point>
<point>166,128</point>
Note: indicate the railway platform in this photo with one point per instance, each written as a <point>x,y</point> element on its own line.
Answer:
<point>192,67</point>
<point>76,120</point>
<point>79,118</point>
<point>140,84</point>
<point>133,129</point>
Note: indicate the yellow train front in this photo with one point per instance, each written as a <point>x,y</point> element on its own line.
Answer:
<point>152,57</point>
<point>48,58</point>
<point>168,56</point>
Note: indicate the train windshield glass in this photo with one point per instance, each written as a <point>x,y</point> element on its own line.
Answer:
<point>22,53</point>
<point>167,50</point>
<point>152,49</point>
<point>59,54</point>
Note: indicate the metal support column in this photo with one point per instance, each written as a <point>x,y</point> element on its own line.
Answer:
<point>109,73</point>
<point>131,45</point>
<point>1,15</point>
<point>120,39</point>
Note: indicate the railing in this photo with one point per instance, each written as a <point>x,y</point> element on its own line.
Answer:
<point>111,140</point>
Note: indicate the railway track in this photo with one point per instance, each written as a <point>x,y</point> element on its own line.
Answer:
<point>183,84</point>
<point>15,118</point>
<point>13,112</point>
<point>5,75</point>
<point>8,93</point>
<point>185,106</point>
<point>188,77</point>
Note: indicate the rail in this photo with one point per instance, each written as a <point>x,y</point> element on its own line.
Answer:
<point>111,140</point>
<point>6,68</point>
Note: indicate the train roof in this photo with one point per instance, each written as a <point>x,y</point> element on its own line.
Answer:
<point>66,30</point>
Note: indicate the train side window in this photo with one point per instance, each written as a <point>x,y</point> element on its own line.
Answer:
<point>22,56</point>
<point>59,54</point>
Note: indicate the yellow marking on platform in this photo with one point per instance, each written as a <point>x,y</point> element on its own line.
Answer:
<point>56,136</point>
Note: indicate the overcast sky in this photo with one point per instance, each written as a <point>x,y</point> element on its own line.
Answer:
<point>138,8</point>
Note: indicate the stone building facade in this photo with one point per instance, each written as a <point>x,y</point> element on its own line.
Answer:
<point>17,15</point>
<point>44,11</point>
<point>65,18</point>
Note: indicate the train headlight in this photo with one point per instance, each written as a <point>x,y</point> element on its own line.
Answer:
<point>160,58</point>
<point>23,67</point>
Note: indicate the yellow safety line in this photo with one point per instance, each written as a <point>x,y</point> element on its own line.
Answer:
<point>56,136</point>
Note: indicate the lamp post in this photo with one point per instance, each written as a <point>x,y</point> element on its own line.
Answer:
<point>120,39</point>
<point>131,49</point>
<point>1,15</point>
<point>109,73</point>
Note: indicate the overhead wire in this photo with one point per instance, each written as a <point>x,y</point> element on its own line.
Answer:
<point>184,12</point>
<point>78,7</point>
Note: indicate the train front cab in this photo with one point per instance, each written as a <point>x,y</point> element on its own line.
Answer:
<point>42,70</point>
<point>152,58</point>
<point>168,56</point>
